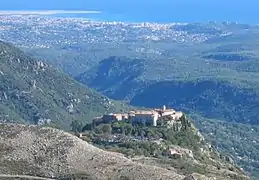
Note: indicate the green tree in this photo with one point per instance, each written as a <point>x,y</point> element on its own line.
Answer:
<point>106,128</point>
<point>76,126</point>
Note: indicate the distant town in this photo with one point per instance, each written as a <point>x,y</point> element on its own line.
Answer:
<point>45,31</point>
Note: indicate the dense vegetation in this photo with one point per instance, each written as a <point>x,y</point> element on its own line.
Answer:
<point>238,141</point>
<point>32,91</point>
<point>182,134</point>
<point>218,98</point>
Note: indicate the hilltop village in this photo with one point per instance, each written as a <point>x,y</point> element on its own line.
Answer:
<point>147,117</point>
<point>121,131</point>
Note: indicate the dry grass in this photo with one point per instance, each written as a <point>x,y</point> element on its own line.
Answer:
<point>47,152</point>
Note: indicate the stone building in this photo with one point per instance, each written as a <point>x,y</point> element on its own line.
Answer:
<point>144,117</point>
<point>148,117</point>
<point>114,117</point>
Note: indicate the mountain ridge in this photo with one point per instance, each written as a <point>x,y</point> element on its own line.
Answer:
<point>35,92</point>
<point>222,95</point>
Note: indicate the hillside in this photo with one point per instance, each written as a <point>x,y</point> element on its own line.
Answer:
<point>32,91</point>
<point>224,97</point>
<point>239,141</point>
<point>233,98</point>
<point>216,79</point>
<point>50,153</point>
<point>170,144</point>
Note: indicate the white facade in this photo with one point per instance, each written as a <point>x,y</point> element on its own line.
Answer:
<point>168,113</point>
<point>150,118</point>
<point>177,115</point>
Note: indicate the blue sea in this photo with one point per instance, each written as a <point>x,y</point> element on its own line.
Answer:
<point>149,10</point>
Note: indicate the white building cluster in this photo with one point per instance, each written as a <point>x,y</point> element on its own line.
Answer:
<point>148,117</point>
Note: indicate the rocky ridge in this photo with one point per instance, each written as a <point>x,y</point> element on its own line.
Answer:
<point>51,153</point>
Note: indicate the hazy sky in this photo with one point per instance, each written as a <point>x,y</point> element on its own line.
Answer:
<point>233,10</point>
<point>29,4</point>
